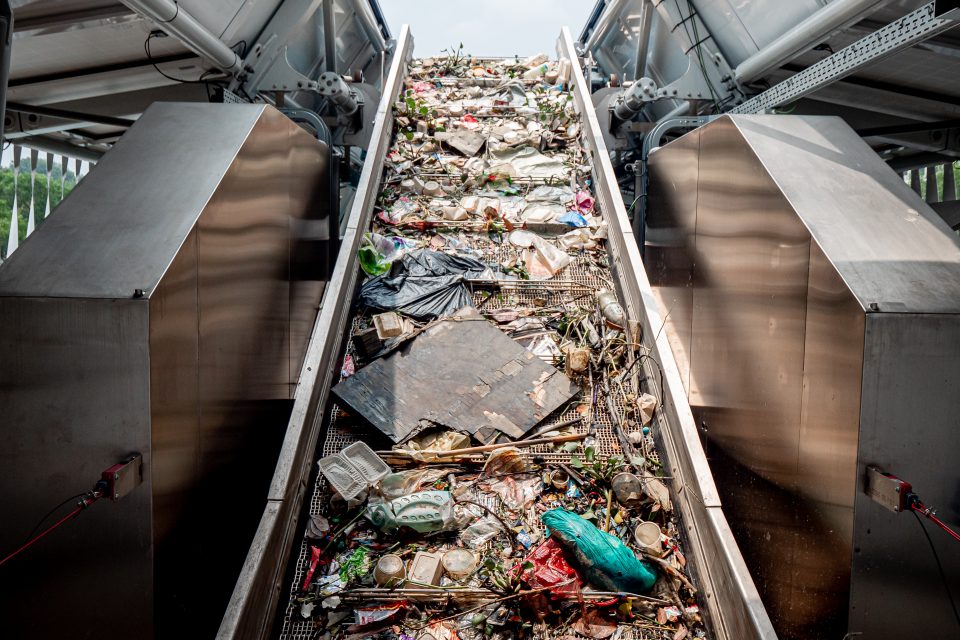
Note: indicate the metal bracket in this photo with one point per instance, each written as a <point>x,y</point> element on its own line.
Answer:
<point>123,477</point>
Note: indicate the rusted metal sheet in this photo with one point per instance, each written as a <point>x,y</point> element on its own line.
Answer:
<point>462,373</point>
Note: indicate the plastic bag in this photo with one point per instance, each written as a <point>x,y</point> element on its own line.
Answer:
<point>545,260</point>
<point>406,482</point>
<point>424,447</point>
<point>602,558</point>
<point>423,284</point>
<point>480,532</point>
<point>573,219</point>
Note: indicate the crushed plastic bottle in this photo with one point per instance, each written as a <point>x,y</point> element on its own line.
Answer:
<point>611,309</point>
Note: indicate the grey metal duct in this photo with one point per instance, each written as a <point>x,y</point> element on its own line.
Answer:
<point>178,22</point>
<point>836,15</point>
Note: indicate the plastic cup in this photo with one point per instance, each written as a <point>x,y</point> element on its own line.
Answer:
<point>389,570</point>
<point>648,535</point>
<point>459,563</point>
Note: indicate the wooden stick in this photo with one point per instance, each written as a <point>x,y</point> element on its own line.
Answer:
<point>520,443</point>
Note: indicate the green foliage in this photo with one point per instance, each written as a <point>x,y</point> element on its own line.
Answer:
<point>23,197</point>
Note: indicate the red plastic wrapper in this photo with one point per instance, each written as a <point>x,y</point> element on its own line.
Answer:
<point>314,560</point>
<point>550,570</point>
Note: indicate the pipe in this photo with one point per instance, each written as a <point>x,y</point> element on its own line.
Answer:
<point>680,110</point>
<point>50,145</point>
<point>806,35</point>
<point>329,37</point>
<point>177,21</point>
<point>603,24</point>
<point>311,118</point>
<point>643,44</point>
<point>369,24</point>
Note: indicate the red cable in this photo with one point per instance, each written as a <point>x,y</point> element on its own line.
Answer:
<point>924,511</point>
<point>86,502</point>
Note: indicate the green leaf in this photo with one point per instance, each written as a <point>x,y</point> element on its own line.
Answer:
<point>424,111</point>
<point>408,135</point>
<point>589,454</point>
<point>575,462</point>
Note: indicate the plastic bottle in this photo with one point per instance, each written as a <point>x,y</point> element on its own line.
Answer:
<point>611,309</point>
<point>535,72</point>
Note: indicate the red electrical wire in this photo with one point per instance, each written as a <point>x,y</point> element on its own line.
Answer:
<point>86,502</point>
<point>923,510</point>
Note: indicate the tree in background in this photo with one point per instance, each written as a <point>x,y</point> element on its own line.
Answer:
<point>23,196</point>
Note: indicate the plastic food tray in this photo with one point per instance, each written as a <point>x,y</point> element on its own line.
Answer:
<point>353,469</point>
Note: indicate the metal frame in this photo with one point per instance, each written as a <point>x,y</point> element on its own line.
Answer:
<point>252,607</point>
<point>732,601</point>
<point>909,30</point>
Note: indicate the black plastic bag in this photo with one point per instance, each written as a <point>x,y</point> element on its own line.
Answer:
<point>423,284</point>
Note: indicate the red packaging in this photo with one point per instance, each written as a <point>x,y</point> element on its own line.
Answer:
<point>550,570</point>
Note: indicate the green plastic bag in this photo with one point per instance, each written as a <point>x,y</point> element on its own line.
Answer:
<point>603,559</point>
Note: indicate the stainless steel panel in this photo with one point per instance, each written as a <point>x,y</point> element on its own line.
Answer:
<point>800,240</point>
<point>909,420</point>
<point>874,229</point>
<point>174,389</point>
<point>832,369</point>
<point>670,238</point>
<point>749,307</point>
<point>152,175</point>
<point>225,198</point>
<point>58,434</point>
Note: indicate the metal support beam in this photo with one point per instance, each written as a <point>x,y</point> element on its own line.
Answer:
<point>50,145</point>
<point>643,39</point>
<point>909,30</point>
<point>329,37</point>
<point>66,114</point>
<point>6,38</point>
<point>933,193</point>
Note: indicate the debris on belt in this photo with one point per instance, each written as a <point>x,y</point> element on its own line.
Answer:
<point>490,467</point>
<point>459,372</point>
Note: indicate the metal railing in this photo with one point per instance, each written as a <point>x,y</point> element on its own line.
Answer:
<point>26,201</point>
<point>937,185</point>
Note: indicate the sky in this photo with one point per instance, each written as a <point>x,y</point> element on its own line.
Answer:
<point>487,27</point>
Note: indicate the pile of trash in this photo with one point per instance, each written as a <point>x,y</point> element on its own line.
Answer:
<point>500,478</point>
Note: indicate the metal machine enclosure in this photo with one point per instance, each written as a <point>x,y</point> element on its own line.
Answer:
<point>164,308</point>
<point>813,304</point>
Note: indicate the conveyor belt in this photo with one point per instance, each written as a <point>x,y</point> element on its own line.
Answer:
<point>724,592</point>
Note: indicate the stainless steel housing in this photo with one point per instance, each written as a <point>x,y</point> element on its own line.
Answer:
<point>164,309</point>
<point>813,304</point>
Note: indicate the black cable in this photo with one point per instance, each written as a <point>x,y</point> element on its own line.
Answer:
<point>936,557</point>
<point>146,50</point>
<point>50,513</point>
